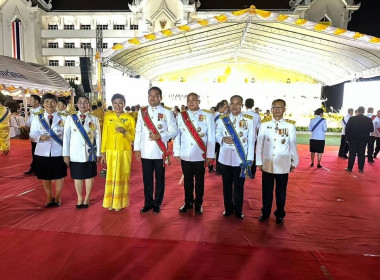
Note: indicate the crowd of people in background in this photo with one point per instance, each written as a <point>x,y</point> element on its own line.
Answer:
<point>223,140</point>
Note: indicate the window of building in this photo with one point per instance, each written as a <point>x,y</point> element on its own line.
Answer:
<point>105,46</point>
<point>133,26</point>
<point>85,45</point>
<point>68,27</point>
<point>85,26</point>
<point>118,27</point>
<point>69,45</point>
<point>102,27</point>
<point>69,62</point>
<point>53,26</point>
<point>53,63</point>
<point>53,45</point>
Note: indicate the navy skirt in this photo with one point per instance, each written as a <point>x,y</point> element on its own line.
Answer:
<point>50,168</point>
<point>317,146</point>
<point>83,170</point>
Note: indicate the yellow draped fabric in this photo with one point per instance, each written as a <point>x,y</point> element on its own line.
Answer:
<point>99,113</point>
<point>118,150</point>
<point>4,130</point>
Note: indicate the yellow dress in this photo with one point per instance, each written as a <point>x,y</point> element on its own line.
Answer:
<point>118,149</point>
<point>99,113</point>
<point>4,130</point>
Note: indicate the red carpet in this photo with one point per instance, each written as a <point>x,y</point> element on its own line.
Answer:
<point>331,230</point>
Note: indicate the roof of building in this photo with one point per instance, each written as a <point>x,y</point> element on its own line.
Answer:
<point>117,5</point>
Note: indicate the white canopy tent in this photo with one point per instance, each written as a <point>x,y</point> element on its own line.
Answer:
<point>327,54</point>
<point>19,78</point>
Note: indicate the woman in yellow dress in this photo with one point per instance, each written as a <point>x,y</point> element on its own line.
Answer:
<point>4,127</point>
<point>116,150</point>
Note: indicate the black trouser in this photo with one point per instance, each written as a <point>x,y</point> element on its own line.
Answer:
<point>33,164</point>
<point>343,148</point>
<point>231,179</point>
<point>156,166</point>
<point>377,149</point>
<point>217,164</point>
<point>370,147</point>
<point>356,147</point>
<point>190,170</point>
<point>267,193</point>
<point>253,167</point>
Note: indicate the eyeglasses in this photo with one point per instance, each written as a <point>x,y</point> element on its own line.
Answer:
<point>278,108</point>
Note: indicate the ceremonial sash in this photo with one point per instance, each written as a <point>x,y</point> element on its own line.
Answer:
<point>92,147</point>
<point>194,133</point>
<point>216,118</point>
<point>344,122</point>
<point>315,126</point>
<point>149,124</point>
<point>53,135</point>
<point>245,165</point>
<point>5,115</point>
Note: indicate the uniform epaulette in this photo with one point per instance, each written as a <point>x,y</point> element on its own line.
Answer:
<point>290,121</point>
<point>248,116</point>
<point>265,120</point>
<point>40,112</point>
<point>206,111</point>
<point>166,107</point>
<point>223,116</point>
<point>63,114</point>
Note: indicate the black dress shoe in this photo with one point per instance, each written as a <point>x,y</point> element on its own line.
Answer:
<point>79,206</point>
<point>227,213</point>
<point>279,221</point>
<point>198,210</point>
<point>311,165</point>
<point>319,166</point>
<point>156,209</point>
<point>371,160</point>
<point>85,206</point>
<point>361,170</point>
<point>50,204</point>
<point>185,207</point>
<point>263,218</point>
<point>348,169</point>
<point>239,215</point>
<point>145,209</point>
<point>30,171</point>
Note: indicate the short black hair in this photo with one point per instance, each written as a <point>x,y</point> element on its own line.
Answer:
<point>279,100</point>
<point>94,107</point>
<point>361,110</point>
<point>318,111</point>
<point>36,97</point>
<point>157,89</point>
<point>99,104</point>
<point>128,108</point>
<point>63,101</point>
<point>49,96</point>
<point>249,102</point>
<point>110,108</point>
<point>236,96</point>
<point>117,96</point>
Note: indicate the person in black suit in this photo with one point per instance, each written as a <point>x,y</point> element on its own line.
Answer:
<point>358,130</point>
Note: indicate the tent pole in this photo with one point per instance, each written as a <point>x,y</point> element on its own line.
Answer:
<point>25,102</point>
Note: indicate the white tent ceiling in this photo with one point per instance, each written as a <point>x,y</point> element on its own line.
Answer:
<point>327,54</point>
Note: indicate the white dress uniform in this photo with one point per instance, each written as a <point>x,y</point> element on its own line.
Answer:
<point>276,151</point>
<point>32,113</point>
<point>166,125</point>
<point>184,144</point>
<point>233,184</point>
<point>192,160</point>
<point>49,147</point>
<point>49,160</point>
<point>74,144</point>
<point>256,119</point>
<point>244,127</point>
<point>151,154</point>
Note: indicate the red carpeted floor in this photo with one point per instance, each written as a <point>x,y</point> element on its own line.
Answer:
<point>331,230</point>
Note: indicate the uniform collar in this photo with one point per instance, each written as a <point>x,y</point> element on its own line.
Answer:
<point>193,113</point>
